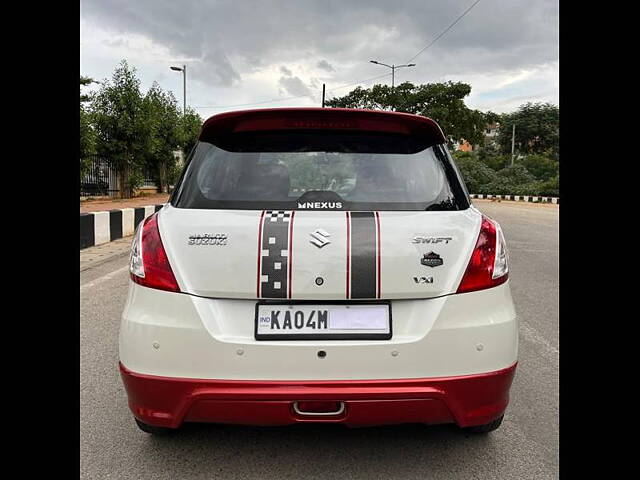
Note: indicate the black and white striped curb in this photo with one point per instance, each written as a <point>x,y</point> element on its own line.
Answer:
<point>97,228</point>
<point>518,198</point>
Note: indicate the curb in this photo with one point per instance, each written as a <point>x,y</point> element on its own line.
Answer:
<point>519,198</point>
<point>97,228</point>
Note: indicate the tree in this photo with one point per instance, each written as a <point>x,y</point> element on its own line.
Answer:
<point>87,134</point>
<point>537,129</point>
<point>476,174</point>
<point>85,81</point>
<point>163,121</point>
<point>515,180</point>
<point>443,102</point>
<point>540,167</point>
<point>191,124</point>
<point>550,187</point>
<point>121,126</point>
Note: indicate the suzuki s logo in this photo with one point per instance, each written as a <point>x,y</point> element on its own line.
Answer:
<point>319,238</point>
<point>317,205</point>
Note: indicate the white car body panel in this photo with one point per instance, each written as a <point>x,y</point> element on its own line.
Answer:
<point>231,270</point>
<point>186,336</point>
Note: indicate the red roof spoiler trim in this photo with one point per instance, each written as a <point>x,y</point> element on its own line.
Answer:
<point>273,119</point>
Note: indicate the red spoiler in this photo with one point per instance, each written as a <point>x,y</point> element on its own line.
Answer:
<point>278,119</point>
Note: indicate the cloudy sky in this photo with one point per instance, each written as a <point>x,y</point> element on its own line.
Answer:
<point>274,53</point>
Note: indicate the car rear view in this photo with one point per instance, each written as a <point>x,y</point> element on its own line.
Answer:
<point>319,265</point>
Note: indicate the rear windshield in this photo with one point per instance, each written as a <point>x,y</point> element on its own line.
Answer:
<point>315,171</point>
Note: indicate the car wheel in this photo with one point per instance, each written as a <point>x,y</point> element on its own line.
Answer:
<point>154,430</point>
<point>486,428</point>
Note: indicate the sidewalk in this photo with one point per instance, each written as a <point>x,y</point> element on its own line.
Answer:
<point>102,205</point>
<point>482,201</point>
<point>93,256</point>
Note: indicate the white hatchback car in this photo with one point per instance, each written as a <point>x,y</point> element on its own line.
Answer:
<point>319,265</point>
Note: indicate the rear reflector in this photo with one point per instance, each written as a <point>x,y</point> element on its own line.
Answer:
<point>488,264</point>
<point>149,263</point>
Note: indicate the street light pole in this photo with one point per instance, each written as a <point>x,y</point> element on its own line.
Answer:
<point>184,86</point>
<point>184,89</point>
<point>513,143</point>
<point>393,71</point>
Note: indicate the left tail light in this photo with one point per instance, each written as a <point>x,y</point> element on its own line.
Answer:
<point>149,265</point>
<point>488,263</point>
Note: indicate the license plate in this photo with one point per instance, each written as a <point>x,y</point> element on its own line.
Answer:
<point>303,321</point>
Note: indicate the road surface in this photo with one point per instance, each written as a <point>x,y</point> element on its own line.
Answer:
<point>525,446</point>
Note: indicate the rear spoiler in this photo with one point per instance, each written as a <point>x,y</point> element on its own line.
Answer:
<point>341,119</point>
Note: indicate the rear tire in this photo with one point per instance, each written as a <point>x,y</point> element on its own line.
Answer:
<point>486,428</point>
<point>150,429</point>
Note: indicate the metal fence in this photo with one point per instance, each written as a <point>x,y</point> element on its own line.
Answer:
<point>102,180</point>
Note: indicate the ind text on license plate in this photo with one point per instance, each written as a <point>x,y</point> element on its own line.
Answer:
<point>302,321</point>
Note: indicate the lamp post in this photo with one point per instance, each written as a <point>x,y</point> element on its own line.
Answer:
<point>184,86</point>
<point>513,144</point>
<point>393,69</point>
<point>393,75</point>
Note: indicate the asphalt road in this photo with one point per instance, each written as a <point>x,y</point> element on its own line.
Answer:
<point>525,446</point>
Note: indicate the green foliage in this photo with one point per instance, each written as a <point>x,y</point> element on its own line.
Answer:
<point>476,173</point>
<point>495,175</point>
<point>121,124</point>
<point>87,133</point>
<point>550,187</point>
<point>515,180</point>
<point>496,162</point>
<point>443,102</point>
<point>541,167</point>
<point>84,81</point>
<point>191,123</point>
<point>537,129</point>
<point>163,120</point>
<point>134,131</point>
<point>135,180</point>
<point>87,141</point>
<point>173,173</point>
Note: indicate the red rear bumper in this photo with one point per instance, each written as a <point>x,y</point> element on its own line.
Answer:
<point>466,400</point>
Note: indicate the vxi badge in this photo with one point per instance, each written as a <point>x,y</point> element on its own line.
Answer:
<point>423,279</point>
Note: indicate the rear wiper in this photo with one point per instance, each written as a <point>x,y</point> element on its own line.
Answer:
<point>444,205</point>
<point>320,196</point>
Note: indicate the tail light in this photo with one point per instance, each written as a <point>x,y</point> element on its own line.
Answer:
<point>149,265</point>
<point>488,264</point>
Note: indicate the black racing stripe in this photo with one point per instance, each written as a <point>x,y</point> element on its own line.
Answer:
<point>115,224</point>
<point>87,232</point>
<point>275,240</point>
<point>363,255</point>
<point>138,216</point>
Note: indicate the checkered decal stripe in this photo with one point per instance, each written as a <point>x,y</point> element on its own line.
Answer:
<point>274,266</point>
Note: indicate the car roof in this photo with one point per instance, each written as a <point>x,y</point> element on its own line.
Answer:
<point>316,118</point>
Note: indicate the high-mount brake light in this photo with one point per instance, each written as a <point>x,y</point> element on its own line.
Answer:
<point>488,264</point>
<point>149,265</point>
